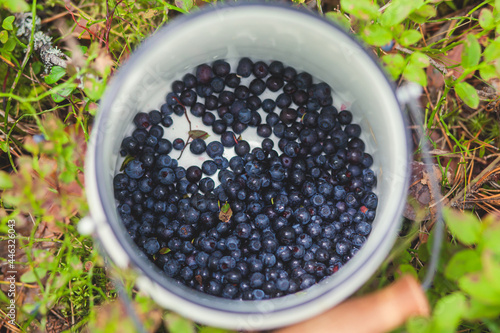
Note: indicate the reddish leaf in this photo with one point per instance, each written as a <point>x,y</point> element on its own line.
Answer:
<point>197,134</point>
<point>225,213</point>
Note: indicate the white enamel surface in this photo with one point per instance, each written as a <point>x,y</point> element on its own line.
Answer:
<point>267,33</point>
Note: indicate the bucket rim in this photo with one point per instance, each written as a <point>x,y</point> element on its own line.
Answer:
<point>113,90</point>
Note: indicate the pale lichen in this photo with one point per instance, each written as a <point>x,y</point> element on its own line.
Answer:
<point>42,43</point>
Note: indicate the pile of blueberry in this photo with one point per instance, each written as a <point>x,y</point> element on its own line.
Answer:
<point>280,218</point>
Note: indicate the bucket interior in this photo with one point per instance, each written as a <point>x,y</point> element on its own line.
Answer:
<point>261,32</point>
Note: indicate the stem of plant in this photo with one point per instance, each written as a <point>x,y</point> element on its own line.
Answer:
<point>83,27</point>
<point>29,51</point>
<point>190,128</point>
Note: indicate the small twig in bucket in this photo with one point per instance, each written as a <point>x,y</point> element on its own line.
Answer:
<point>189,122</point>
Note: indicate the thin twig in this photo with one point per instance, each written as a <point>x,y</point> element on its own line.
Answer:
<point>71,305</point>
<point>475,137</point>
<point>445,196</point>
<point>20,284</point>
<point>9,325</point>
<point>384,7</point>
<point>14,66</point>
<point>109,20</point>
<point>473,184</point>
<point>59,316</point>
<point>439,67</point>
<point>84,28</point>
<point>55,17</point>
<point>190,128</point>
<point>450,154</point>
<point>185,146</point>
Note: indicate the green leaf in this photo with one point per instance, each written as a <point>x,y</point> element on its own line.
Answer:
<point>491,267</point>
<point>164,250</point>
<point>394,63</point>
<point>94,88</point>
<point>448,312</point>
<point>463,225</point>
<point>467,94</point>
<point>418,325</point>
<point>490,238</point>
<point>5,180</point>
<point>399,10</point>
<point>486,19</point>
<point>492,51</point>
<point>340,19</point>
<point>67,176</point>
<point>37,67</point>
<point>480,288</point>
<point>62,94</point>
<point>425,11</point>
<point>10,45</point>
<point>169,6</point>
<point>406,269</point>
<point>56,72</point>
<point>4,36</point>
<point>472,52</point>
<point>225,208</point>
<point>29,276</point>
<point>83,48</point>
<point>178,324</point>
<point>417,18</point>
<point>7,22</point>
<point>362,9</point>
<point>198,134</point>
<point>3,297</point>
<point>419,59</point>
<point>482,151</point>
<point>487,72</point>
<point>463,262</point>
<point>225,213</point>
<point>207,329</point>
<point>403,258</point>
<point>376,35</point>
<point>410,37</point>
<point>423,253</point>
<point>479,310</point>
<point>416,74</point>
<point>16,6</point>
<point>125,162</point>
<point>5,54</point>
<point>4,146</point>
<point>187,5</point>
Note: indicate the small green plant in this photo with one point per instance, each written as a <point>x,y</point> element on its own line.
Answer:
<point>66,272</point>
<point>7,38</point>
<point>398,24</point>
<point>473,296</point>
